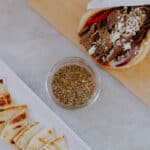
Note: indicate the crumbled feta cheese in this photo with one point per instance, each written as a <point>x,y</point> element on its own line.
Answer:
<point>92,50</point>
<point>118,43</point>
<point>122,56</point>
<point>120,25</point>
<point>127,46</point>
<point>103,58</point>
<point>115,36</point>
<point>132,25</point>
<point>118,58</point>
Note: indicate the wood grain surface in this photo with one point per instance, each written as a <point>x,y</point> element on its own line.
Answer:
<point>65,15</point>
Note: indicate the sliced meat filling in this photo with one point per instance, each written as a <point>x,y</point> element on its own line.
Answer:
<point>118,36</point>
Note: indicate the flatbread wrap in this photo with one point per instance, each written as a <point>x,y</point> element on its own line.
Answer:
<point>117,37</point>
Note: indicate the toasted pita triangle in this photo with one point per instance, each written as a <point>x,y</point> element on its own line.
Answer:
<point>7,113</point>
<point>23,138</point>
<point>40,139</point>
<point>14,125</point>
<point>5,98</point>
<point>57,144</point>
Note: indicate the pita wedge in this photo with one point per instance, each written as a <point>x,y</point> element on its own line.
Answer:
<point>23,138</point>
<point>7,113</point>
<point>40,139</point>
<point>14,126</point>
<point>5,98</point>
<point>57,144</point>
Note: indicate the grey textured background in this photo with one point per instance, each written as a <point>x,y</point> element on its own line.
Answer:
<point>119,121</point>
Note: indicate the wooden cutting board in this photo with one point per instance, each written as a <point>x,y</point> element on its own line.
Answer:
<point>65,15</point>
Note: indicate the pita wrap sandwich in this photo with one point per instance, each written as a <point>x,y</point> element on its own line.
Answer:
<point>117,37</point>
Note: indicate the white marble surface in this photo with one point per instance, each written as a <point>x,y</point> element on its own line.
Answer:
<point>119,121</point>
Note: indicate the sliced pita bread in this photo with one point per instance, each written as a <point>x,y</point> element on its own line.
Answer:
<point>14,125</point>
<point>7,113</point>
<point>23,138</point>
<point>5,98</point>
<point>57,144</point>
<point>40,139</point>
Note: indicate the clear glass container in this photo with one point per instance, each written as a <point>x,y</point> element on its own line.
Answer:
<point>74,61</point>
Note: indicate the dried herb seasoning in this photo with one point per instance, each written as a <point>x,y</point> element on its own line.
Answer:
<point>73,85</point>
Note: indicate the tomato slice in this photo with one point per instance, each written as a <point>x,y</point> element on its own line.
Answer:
<point>100,16</point>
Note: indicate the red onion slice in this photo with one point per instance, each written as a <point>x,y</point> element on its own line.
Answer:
<point>125,59</point>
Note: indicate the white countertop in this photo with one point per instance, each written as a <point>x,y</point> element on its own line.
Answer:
<point>118,121</point>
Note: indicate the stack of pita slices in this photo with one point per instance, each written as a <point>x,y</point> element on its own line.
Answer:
<point>16,130</point>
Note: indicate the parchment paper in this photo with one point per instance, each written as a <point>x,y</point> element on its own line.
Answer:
<point>111,3</point>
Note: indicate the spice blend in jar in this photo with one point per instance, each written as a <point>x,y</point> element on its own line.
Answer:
<point>73,86</point>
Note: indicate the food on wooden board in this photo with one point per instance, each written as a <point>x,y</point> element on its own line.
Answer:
<point>116,37</point>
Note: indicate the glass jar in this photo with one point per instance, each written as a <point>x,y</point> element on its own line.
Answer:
<point>80,62</point>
